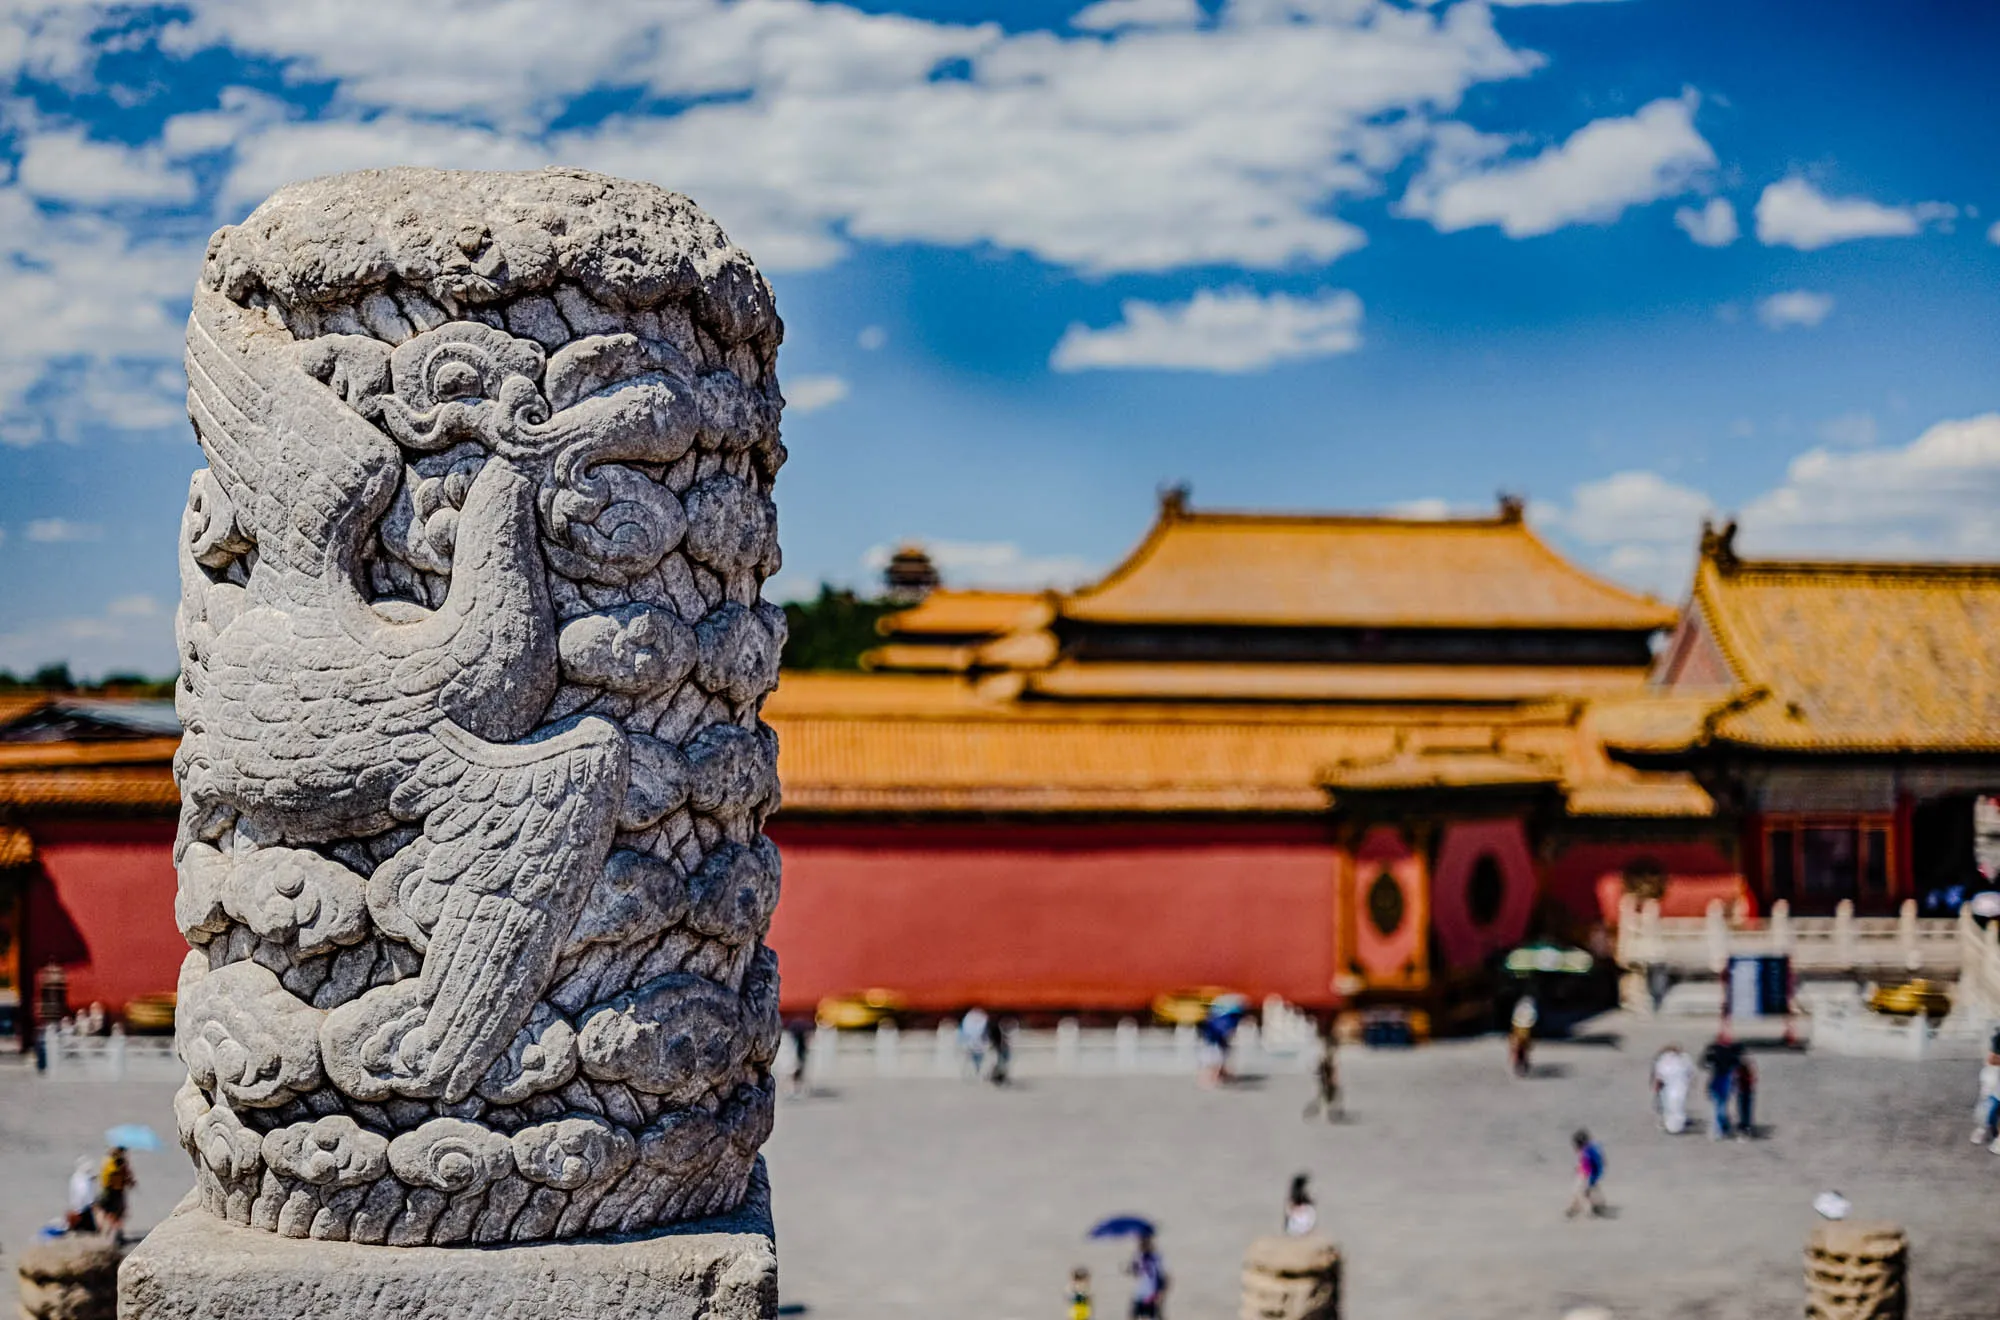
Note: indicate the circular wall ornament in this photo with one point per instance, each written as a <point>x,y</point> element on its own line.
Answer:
<point>1385,903</point>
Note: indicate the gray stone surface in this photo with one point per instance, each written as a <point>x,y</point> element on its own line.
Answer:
<point>473,655</point>
<point>196,1267</point>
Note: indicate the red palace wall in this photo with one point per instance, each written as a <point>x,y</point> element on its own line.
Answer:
<point>1587,878</point>
<point>103,906</point>
<point>1030,914</point>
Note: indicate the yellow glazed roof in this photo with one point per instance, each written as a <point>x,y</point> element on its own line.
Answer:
<point>1339,571</point>
<point>907,743</point>
<point>1476,684</point>
<point>1855,657</point>
<point>951,612</point>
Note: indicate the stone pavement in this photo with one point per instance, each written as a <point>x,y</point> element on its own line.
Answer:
<point>918,1197</point>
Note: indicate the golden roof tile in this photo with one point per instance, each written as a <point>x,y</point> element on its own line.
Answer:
<point>890,743</point>
<point>951,612</point>
<point>1434,684</point>
<point>1355,571</point>
<point>1846,656</point>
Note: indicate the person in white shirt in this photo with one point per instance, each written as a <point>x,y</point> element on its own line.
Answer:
<point>1673,1075</point>
<point>1301,1215</point>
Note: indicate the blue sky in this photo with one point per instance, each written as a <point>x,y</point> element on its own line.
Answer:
<point>1635,259</point>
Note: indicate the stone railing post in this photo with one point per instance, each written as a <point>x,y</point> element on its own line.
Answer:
<point>824,1059</point>
<point>1781,927</point>
<point>1069,1042</point>
<point>474,775</point>
<point>1125,1045</point>
<point>888,1049</point>
<point>944,1048</point>
<point>1856,1271</point>
<point>1715,926</point>
<point>1291,1278</point>
<point>1906,934</point>
<point>70,1278</point>
<point>1843,934</point>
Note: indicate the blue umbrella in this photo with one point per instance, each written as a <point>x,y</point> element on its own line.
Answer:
<point>1123,1226</point>
<point>132,1136</point>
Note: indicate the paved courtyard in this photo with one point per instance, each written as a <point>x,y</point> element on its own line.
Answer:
<point>923,1197</point>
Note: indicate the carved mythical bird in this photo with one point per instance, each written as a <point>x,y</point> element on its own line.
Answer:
<point>317,713</point>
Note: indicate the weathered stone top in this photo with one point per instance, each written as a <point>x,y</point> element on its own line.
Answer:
<point>472,238</point>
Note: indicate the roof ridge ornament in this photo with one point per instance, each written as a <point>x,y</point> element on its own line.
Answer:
<point>1718,544</point>
<point>1174,500</point>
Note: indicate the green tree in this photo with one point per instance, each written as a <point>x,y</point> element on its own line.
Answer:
<point>832,630</point>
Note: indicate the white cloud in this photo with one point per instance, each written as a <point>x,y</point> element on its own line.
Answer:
<point>68,166</point>
<point>871,338</point>
<point>1521,4</point>
<point>1794,307</point>
<point>1932,497</point>
<point>1993,234</point>
<point>1855,430</point>
<point>1713,225</point>
<point>818,124</point>
<point>1603,168</point>
<point>51,531</point>
<point>806,394</point>
<point>1638,527</point>
<point>1793,213</point>
<point>994,564</point>
<point>1430,507</point>
<point>92,331</point>
<point>1230,330</point>
<point>134,607</point>
<point>1107,15</point>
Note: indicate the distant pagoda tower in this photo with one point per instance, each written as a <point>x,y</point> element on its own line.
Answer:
<point>910,575</point>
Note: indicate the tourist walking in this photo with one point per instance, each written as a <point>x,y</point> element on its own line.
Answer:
<point>1149,1281</point>
<point>1002,1047</point>
<point>1744,1080</point>
<point>972,1041</point>
<point>82,1196</point>
<point>114,1183</point>
<point>1986,1111</point>
<point>1079,1294</point>
<point>1720,1059</point>
<point>1326,1076</point>
<point>1673,1077</point>
<point>1521,1034</point>
<point>801,1048</point>
<point>1589,1174</point>
<point>1301,1215</point>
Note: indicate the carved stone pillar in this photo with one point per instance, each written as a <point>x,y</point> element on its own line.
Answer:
<point>1856,1271</point>
<point>1291,1278</point>
<point>472,658</point>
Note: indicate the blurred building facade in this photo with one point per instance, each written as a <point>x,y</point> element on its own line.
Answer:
<point>1314,756</point>
<point>1325,757</point>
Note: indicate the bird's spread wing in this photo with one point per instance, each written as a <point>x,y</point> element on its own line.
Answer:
<point>230,407</point>
<point>517,835</point>
<point>292,456</point>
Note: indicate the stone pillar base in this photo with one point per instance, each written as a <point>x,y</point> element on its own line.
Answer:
<point>196,1267</point>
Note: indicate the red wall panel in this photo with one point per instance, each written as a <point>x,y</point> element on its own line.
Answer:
<point>104,908</point>
<point>1048,914</point>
